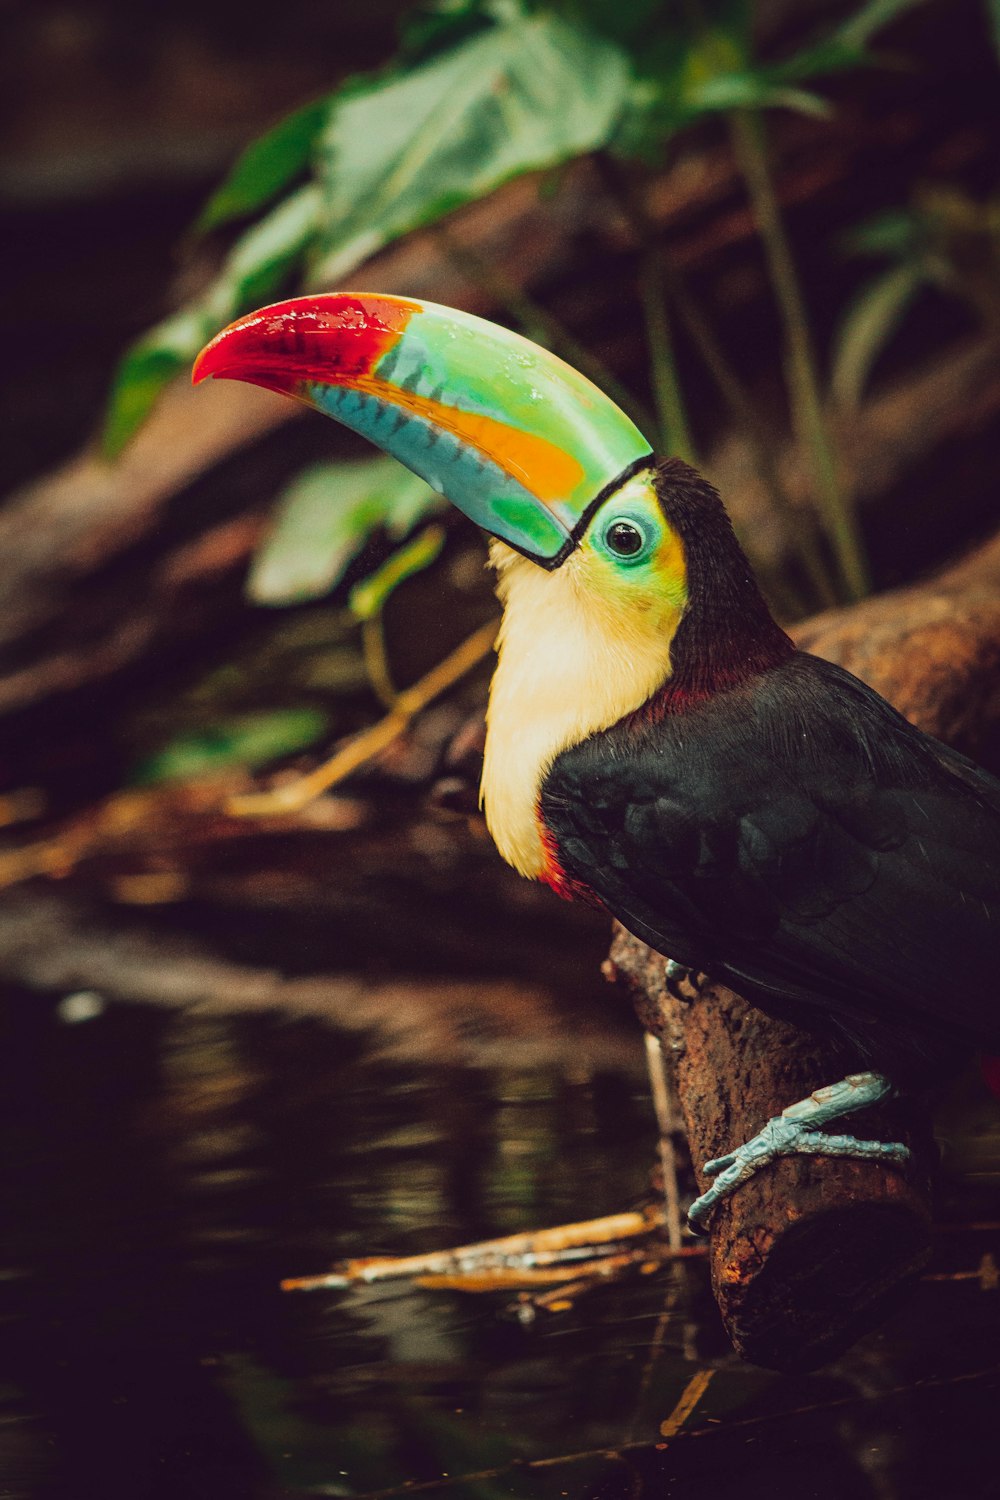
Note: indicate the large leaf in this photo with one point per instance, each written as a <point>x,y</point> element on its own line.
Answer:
<point>255,270</point>
<point>324,519</point>
<point>868,325</point>
<point>261,259</point>
<point>519,97</point>
<point>266,166</point>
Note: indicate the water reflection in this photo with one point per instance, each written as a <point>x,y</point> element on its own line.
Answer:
<point>166,1169</point>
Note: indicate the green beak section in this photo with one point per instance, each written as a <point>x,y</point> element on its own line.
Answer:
<point>516,438</point>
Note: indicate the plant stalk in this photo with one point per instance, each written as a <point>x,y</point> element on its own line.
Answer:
<point>377,661</point>
<point>751,152</point>
<point>674,430</point>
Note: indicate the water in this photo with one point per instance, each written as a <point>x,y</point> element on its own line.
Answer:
<point>166,1169</point>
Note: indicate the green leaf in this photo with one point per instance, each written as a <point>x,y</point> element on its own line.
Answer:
<point>261,259</point>
<point>895,233</point>
<point>325,517</point>
<point>253,272</point>
<point>753,91</point>
<point>867,328</point>
<point>249,740</point>
<point>368,598</point>
<point>688,80</point>
<point>146,367</point>
<point>845,47</point>
<point>409,148</point>
<point>266,166</point>
<point>862,26</point>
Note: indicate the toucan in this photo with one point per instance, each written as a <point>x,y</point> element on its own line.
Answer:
<point>655,742</point>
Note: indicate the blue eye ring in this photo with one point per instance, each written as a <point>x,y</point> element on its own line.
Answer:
<point>626,538</point>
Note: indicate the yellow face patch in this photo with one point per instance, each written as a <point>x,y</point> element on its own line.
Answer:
<point>632,558</point>
<point>580,648</point>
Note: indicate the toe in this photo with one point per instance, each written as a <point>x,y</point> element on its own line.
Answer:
<point>718,1164</point>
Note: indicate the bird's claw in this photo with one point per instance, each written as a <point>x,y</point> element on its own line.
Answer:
<point>781,1136</point>
<point>677,975</point>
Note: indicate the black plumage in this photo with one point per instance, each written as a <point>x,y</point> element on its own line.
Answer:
<point>770,820</point>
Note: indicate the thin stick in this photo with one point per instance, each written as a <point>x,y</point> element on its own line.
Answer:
<point>371,742</point>
<point>542,1247</point>
<point>751,152</point>
<point>666,1122</point>
<point>768,1421</point>
<point>653,1354</point>
<point>377,662</point>
<point>501,1278</point>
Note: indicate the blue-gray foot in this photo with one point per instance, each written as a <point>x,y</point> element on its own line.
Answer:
<point>795,1131</point>
<point>677,975</point>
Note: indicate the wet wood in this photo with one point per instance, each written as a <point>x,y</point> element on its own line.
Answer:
<point>533,1255</point>
<point>812,1252</point>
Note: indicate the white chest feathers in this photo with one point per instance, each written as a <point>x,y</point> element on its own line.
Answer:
<point>571,662</point>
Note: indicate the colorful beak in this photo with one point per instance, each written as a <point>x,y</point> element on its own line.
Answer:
<point>509,433</point>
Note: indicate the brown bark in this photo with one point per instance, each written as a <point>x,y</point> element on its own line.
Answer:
<point>812,1251</point>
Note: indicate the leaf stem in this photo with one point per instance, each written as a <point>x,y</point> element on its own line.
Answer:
<point>750,146</point>
<point>376,661</point>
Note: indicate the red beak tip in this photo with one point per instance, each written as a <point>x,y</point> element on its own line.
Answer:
<point>204,367</point>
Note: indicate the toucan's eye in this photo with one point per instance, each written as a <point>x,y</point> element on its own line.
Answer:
<point>624,538</point>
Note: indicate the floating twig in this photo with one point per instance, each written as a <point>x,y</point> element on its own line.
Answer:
<point>563,1245</point>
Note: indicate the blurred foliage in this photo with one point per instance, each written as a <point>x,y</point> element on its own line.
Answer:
<point>307,666</point>
<point>945,239</point>
<point>407,149</point>
<point>323,519</point>
<point>368,598</point>
<point>480,92</point>
<point>251,740</point>
<point>453,117</point>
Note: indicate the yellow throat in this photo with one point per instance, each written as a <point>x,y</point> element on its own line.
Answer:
<point>574,658</point>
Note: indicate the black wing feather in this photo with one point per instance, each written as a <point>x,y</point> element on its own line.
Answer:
<point>798,838</point>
